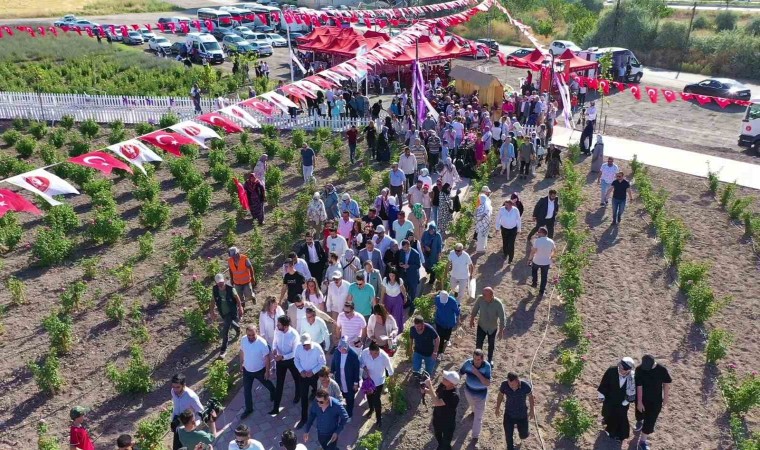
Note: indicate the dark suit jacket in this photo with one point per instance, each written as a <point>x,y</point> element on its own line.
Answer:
<point>414,263</point>
<point>352,369</point>
<point>303,252</point>
<point>542,205</point>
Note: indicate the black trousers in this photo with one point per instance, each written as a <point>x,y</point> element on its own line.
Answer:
<point>375,403</point>
<point>649,416</point>
<point>349,396</point>
<point>248,378</point>
<point>509,429</point>
<point>409,183</point>
<point>544,275</point>
<point>282,368</point>
<point>444,436</point>
<point>305,384</point>
<point>548,223</point>
<point>524,167</point>
<point>317,270</point>
<point>508,236</point>
<point>480,339</point>
<point>445,336</point>
<point>230,321</point>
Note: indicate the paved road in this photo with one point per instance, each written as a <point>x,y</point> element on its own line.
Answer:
<point>736,7</point>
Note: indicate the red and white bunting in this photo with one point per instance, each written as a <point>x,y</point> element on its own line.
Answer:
<point>44,184</point>
<point>11,201</point>
<point>100,161</point>
<point>259,105</point>
<point>242,115</point>
<point>220,121</point>
<point>168,141</point>
<point>135,152</point>
<point>199,133</point>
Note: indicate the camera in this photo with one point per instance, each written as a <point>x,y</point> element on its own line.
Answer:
<point>422,377</point>
<point>213,405</point>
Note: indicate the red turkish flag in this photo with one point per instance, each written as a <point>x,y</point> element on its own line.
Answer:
<point>241,194</point>
<point>100,161</point>
<point>605,86</point>
<point>209,25</point>
<point>135,26</point>
<point>288,18</point>
<point>289,89</point>
<point>221,122</point>
<point>652,93</point>
<point>168,141</point>
<point>742,102</point>
<point>669,95</point>
<point>636,91</point>
<point>321,82</point>
<point>722,102</point>
<point>502,58</point>
<point>593,83</point>
<point>704,99</point>
<point>367,23</point>
<point>582,81</point>
<point>619,86</point>
<point>160,26</point>
<point>259,105</point>
<point>11,201</point>
<point>686,96</point>
<point>172,27</point>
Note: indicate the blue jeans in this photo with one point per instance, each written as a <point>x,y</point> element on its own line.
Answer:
<point>429,361</point>
<point>618,206</point>
<point>434,214</point>
<point>351,151</point>
<point>605,187</point>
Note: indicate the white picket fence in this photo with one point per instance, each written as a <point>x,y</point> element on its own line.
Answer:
<point>130,110</point>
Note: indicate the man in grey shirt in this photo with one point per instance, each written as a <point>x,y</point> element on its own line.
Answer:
<point>370,253</point>
<point>491,320</point>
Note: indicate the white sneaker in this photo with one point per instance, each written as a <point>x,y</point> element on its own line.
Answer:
<point>222,355</point>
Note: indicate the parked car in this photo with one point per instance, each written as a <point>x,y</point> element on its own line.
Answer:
<point>134,38</point>
<point>68,19</point>
<point>263,29</point>
<point>275,40</point>
<point>160,44</point>
<point>720,87</point>
<point>230,43</point>
<point>491,44</point>
<point>147,34</point>
<point>177,21</point>
<point>178,48</point>
<point>294,36</point>
<point>219,33</point>
<point>115,36</point>
<point>521,52</point>
<point>559,47</point>
<point>244,32</point>
<point>261,49</point>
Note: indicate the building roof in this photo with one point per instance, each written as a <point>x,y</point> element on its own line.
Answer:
<point>473,76</point>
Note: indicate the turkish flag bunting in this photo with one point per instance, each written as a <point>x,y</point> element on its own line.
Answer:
<point>502,58</point>
<point>172,27</point>
<point>652,93</point>
<point>135,26</point>
<point>367,23</point>
<point>221,122</point>
<point>605,86</point>
<point>54,30</point>
<point>11,201</point>
<point>199,133</point>
<point>241,115</point>
<point>100,161</point>
<point>722,102</point>
<point>160,26</point>
<point>44,184</point>
<point>209,25</point>
<point>167,141</point>
<point>686,96</point>
<point>320,81</point>
<point>592,83</point>
<point>136,152</point>
<point>742,102</point>
<point>582,81</point>
<point>289,89</point>
<point>636,91</point>
<point>262,106</point>
<point>703,99</point>
<point>619,86</point>
<point>669,95</point>
<point>241,194</point>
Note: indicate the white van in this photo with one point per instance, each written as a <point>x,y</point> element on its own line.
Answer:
<point>749,136</point>
<point>634,70</point>
<point>204,46</point>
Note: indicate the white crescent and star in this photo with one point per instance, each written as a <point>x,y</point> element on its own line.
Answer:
<point>91,160</point>
<point>161,136</point>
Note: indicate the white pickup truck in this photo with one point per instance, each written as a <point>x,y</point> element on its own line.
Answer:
<point>749,136</point>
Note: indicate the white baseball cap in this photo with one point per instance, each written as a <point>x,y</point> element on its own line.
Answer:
<point>451,376</point>
<point>306,339</point>
<point>219,278</point>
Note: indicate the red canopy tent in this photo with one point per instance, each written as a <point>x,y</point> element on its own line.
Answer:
<point>430,50</point>
<point>532,60</point>
<point>340,41</point>
<point>575,63</point>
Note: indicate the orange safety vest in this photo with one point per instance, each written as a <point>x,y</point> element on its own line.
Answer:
<point>239,273</point>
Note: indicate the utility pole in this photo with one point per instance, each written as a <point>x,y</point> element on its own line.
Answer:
<point>615,22</point>
<point>688,39</point>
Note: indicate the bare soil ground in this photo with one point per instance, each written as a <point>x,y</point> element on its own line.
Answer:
<point>631,306</point>
<point>99,340</point>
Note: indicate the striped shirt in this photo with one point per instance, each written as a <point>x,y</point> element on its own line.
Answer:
<point>472,382</point>
<point>352,328</point>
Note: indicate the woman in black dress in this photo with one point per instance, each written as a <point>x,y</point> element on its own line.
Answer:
<point>616,391</point>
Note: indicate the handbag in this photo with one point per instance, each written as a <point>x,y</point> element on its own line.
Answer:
<point>456,204</point>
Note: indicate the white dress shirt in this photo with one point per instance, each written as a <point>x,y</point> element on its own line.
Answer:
<point>311,360</point>
<point>376,367</point>
<point>508,219</point>
<point>336,296</point>
<point>300,266</point>
<point>268,325</point>
<point>254,353</point>
<point>285,342</point>
<point>549,209</point>
<point>317,330</point>
<point>608,172</point>
<point>312,250</point>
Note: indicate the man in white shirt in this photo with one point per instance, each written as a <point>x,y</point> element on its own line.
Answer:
<point>254,363</point>
<point>299,264</point>
<point>591,114</point>
<point>407,162</point>
<point>353,327</point>
<point>541,257</point>
<point>243,440</point>
<point>316,327</point>
<point>459,129</point>
<point>508,223</point>
<point>382,241</point>
<point>309,360</point>
<point>336,243</point>
<point>460,268</point>
<point>401,226</point>
<point>376,365</point>
<point>337,292</point>
<point>286,341</point>
<point>606,176</point>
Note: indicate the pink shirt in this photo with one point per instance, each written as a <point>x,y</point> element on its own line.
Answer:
<point>344,228</point>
